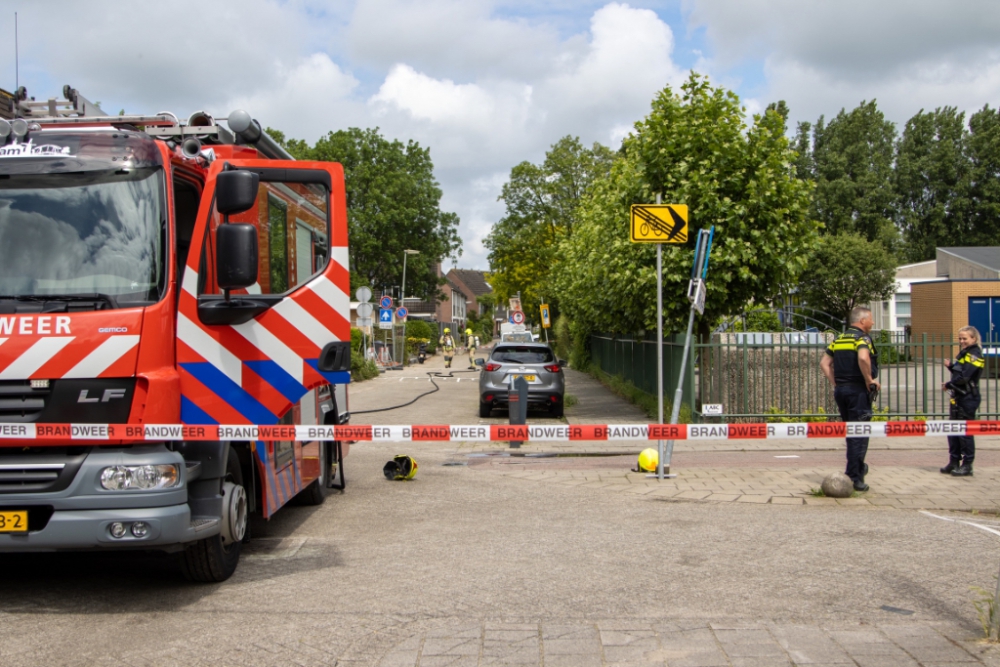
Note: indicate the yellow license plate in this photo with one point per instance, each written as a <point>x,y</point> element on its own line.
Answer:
<point>527,378</point>
<point>14,522</point>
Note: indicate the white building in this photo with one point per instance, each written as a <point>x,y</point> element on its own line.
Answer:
<point>894,314</point>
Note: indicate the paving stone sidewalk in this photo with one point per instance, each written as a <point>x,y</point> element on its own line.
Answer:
<point>691,644</point>
<point>899,487</point>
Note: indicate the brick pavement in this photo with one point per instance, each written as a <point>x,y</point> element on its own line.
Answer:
<point>689,644</point>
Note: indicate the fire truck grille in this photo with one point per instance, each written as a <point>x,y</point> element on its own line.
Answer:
<point>20,402</point>
<point>28,477</point>
<point>39,469</point>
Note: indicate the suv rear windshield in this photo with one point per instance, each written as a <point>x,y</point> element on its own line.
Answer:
<point>523,355</point>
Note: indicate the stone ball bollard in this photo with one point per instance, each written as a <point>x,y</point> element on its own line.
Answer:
<point>838,485</point>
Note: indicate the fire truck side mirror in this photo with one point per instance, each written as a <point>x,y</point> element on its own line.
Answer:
<point>236,191</point>
<point>236,255</point>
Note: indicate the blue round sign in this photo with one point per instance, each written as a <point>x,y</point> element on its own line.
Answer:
<point>401,313</point>
<point>385,302</point>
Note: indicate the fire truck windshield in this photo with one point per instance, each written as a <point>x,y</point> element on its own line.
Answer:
<point>93,232</point>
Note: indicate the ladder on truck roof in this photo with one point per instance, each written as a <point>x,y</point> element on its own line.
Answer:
<point>201,127</point>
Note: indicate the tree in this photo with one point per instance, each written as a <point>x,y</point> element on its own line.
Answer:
<point>542,203</point>
<point>982,184</point>
<point>852,160</point>
<point>695,148</point>
<point>931,169</point>
<point>845,271</point>
<point>804,158</point>
<point>393,204</point>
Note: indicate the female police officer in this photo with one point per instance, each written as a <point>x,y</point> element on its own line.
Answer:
<point>964,389</point>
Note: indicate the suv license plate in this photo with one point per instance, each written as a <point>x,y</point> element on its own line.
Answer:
<point>527,378</point>
<point>14,522</point>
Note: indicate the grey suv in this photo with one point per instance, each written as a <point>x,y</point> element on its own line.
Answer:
<point>536,363</point>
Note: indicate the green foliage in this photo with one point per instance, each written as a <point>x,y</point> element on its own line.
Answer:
<point>481,325</point>
<point>392,205</point>
<point>361,369</point>
<point>847,271</point>
<point>694,148</point>
<point>418,329</point>
<point>776,415</point>
<point>758,320</point>
<point>889,352</point>
<point>562,341</point>
<point>542,209</point>
<point>931,169</point>
<point>982,187</point>
<point>880,414</point>
<point>852,160</point>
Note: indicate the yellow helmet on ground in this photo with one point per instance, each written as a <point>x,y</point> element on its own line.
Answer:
<point>400,467</point>
<point>447,330</point>
<point>648,458</point>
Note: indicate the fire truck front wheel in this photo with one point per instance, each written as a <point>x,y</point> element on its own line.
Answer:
<point>215,558</point>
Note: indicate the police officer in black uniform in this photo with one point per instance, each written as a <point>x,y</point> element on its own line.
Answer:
<point>964,389</point>
<point>851,365</point>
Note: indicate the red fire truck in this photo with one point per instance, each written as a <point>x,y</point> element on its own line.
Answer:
<point>161,277</point>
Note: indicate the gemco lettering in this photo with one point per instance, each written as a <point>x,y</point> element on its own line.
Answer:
<point>215,293</point>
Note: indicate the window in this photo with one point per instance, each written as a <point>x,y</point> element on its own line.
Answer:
<point>457,306</point>
<point>903,305</point>
<point>902,310</point>
<point>293,231</point>
<point>277,232</point>
<point>523,355</point>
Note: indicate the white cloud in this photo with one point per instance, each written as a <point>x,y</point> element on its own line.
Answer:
<point>594,85</point>
<point>469,106</point>
<point>306,96</point>
<point>484,84</point>
<point>451,38</point>
<point>824,56</point>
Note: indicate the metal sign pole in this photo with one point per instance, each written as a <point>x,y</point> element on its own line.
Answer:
<point>699,271</point>
<point>659,350</point>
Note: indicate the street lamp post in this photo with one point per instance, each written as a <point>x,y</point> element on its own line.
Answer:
<point>402,302</point>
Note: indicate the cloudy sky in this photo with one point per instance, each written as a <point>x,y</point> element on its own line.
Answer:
<point>487,84</point>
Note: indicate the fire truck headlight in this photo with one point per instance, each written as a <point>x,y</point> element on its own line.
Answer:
<point>140,478</point>
<point>4,130</point>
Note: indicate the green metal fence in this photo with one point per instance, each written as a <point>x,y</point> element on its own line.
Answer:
<point>633,358</point>
<point>776,376</point>
<point>757,377</point>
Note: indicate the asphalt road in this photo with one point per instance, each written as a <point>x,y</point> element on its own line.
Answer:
<point>389,566</point>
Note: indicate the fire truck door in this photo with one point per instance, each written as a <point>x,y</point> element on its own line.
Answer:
<point>251,360</point>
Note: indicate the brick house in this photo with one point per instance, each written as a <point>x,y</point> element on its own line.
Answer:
<point>965,292</point>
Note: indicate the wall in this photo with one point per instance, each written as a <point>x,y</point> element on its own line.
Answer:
<point>956,268</point>
<point>941,307</point>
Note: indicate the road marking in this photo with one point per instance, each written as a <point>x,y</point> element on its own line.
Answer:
<point>788,456</point>
<point>968,523</point>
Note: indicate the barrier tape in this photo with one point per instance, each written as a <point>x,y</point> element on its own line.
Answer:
<point>60,433</point>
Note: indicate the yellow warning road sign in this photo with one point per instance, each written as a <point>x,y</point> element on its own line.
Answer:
<point>659,223</point>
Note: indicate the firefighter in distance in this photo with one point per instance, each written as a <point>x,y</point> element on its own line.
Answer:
<point>470,344</point>
<point>965,398</point>
<point>447,344</point>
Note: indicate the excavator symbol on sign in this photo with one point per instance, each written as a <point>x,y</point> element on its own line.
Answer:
<point>651,223</point>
